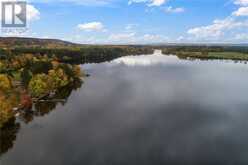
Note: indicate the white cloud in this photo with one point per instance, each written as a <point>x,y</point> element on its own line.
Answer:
<point>242,37</point>
<point>122,37</point>
<point>232,28</point>
<point>78,2</point>
<point>180,39</point>
<point>242,11</point>
<point>133,38</point>
<point>241,2</point>
<point>170,9</point>
<point>152,38</point>
<point>149,3</point>
<point>157,2</point>
<point>217,29</point>
<point>91,26</point>
<point>32,13</point>
<point>131,26</point>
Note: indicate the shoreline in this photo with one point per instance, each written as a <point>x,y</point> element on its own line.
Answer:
<point>235,56</point>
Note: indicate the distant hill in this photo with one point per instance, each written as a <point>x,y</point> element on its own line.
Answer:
<point>6,42</point>
<point>12,42</point>
<point>15,42</point>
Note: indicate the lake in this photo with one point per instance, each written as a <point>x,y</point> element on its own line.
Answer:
<point>152,109</point>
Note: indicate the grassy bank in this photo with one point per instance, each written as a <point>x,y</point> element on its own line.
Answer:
<point>209,55</point>
<point>228,55</point>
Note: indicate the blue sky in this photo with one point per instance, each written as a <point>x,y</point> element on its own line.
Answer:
<point>139,21</point>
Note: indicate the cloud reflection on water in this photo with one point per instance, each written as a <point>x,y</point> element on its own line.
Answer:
<point>146,60</point>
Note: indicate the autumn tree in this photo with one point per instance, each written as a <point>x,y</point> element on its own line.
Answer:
<point>57,78</point>
<point>38,85</point>
<point>6,106</point>
<point>77,71</point>
<point>26,76</point>
<point>5,82</point>
<point>2,67</point>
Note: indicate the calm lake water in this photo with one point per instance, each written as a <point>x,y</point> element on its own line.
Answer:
<point>142,110</point>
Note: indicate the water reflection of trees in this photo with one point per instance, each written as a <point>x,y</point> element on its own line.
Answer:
<point>48,104</point>
<point>8,135</point>
<point>9,131</point>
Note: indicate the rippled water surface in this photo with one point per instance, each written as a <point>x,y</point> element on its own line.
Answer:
<point>142,110</point>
